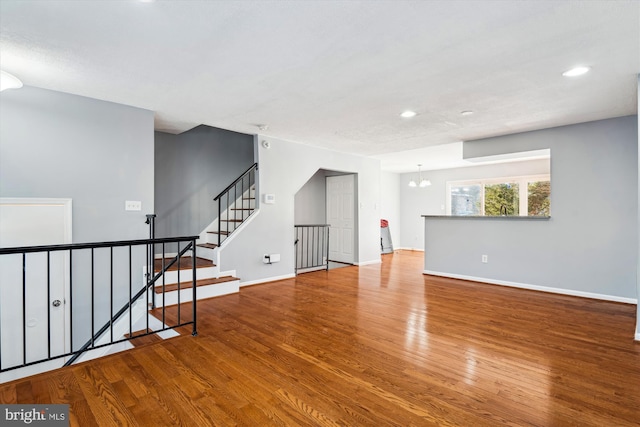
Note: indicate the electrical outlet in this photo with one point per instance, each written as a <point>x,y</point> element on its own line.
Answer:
<point>132,205</point>
<point>485,259</point>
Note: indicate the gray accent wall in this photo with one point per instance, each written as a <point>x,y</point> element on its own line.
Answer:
<point>191,169</point>
<point>590,244</point>
<point>99,154</point>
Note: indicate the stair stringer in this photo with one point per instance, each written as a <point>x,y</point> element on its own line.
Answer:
<point>213,226</point>
<point>217,252</point>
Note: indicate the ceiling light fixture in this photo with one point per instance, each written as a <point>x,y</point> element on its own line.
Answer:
<point>421,181</point>
<point>408,114</point>
<point>576,71</point>
<point>466,113</point>
<point>9,81</point>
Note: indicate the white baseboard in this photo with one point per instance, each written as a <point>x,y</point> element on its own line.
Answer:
<point>266,280</point>
<point>408,249</point>
<point>535,287</point>
<point>370,262</point>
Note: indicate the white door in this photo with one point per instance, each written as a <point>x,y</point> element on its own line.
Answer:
<point>33,222</point>
<point>341,217</point>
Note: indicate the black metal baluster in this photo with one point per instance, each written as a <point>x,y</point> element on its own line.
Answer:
<point>111,292</point>
<point>24,308</point>
<point>193,272</point>
<point>219,221</point>
<point>71,299</point>
<point>49,304</point>
<point>309,246</point>
<point>179,318</point>
<point>130,286</point>
<point>327,247</point>
<point>163,285</point>
<point>297,248</point>
<point>316,239</point>
<point>93,310</point>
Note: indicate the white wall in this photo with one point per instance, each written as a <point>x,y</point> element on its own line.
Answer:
<point>431,200</point>
<point>284,169</point>
<point>588,247</point>
<point>391,205</point>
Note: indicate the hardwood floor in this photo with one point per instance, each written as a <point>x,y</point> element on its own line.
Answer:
<point>378,345</point>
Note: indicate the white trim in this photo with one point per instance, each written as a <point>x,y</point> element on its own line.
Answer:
<point>217,252</point>
<point>535,287</point>
<point>243,224</point>
<point>370,262</point>
<point>408,249</point>
<point>637,336</point>
<point>268,279</point>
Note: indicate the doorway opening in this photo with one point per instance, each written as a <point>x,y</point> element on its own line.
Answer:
<point>330,198</point>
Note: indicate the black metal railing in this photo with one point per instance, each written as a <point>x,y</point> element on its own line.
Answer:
<point>236,203</point>
<point>312,247</point>
<point>94,278</point>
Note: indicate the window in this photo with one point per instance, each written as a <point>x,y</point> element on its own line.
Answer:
<point>466,199</point>
<point>512,196</point>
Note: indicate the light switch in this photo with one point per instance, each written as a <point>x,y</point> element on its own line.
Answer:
<point>133,205</point>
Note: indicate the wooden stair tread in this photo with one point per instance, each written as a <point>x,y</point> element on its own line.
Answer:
<point>232,220</point>
<point>185,264</point>
<point>242,209</point>
<point>224,233</point>
<point>248,198</point>
<point>201,282</point>
<point>137,339</point>
<point>207,245</point>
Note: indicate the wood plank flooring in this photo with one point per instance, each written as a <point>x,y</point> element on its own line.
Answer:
<point>378,345</point>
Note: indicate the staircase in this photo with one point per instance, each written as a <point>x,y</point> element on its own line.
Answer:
<point>235,206</point>
<point>177,286</point>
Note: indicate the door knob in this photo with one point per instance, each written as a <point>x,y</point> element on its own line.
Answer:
<point>56,303</point>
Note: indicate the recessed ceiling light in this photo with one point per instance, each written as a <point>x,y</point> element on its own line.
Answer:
<point>466,113</point>
<point>407,114</point>
<point>576,71</point>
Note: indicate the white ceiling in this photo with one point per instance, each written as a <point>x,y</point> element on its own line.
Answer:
<point>336,74</point>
